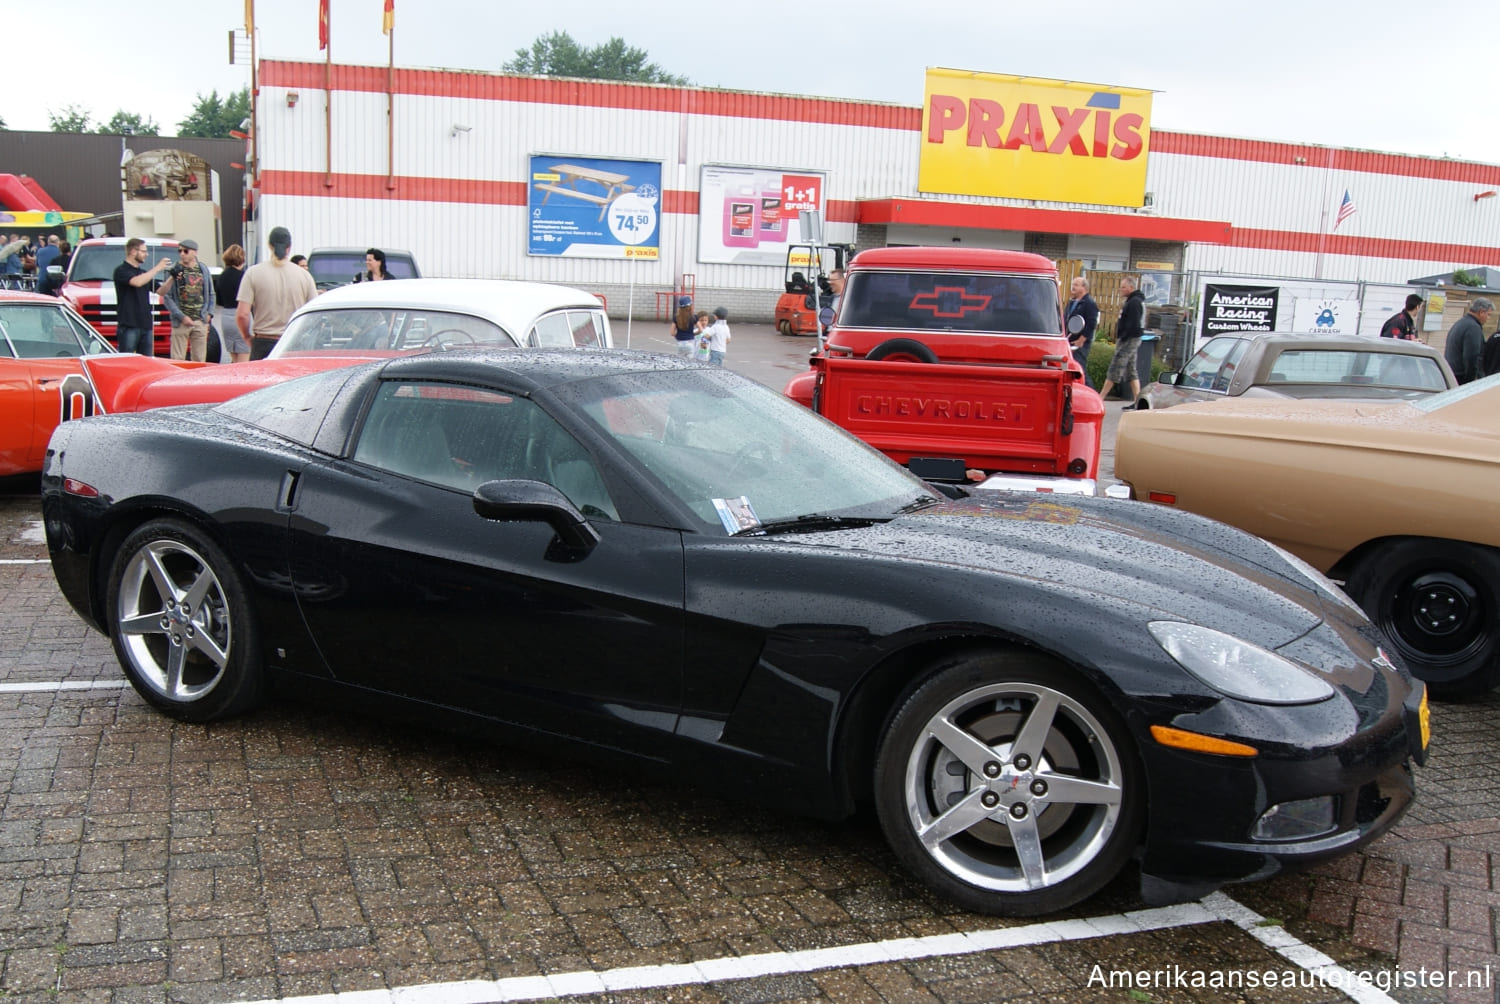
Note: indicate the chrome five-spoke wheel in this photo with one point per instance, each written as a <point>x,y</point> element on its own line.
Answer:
<point>179,623</point>
<point>1018,789</point>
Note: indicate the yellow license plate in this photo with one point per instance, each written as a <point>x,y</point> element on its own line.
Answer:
<point>1424,719</point>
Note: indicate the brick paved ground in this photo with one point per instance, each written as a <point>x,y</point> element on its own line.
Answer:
<point>302,851</point>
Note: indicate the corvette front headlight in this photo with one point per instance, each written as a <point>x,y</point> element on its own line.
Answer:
<point>1236,668</point>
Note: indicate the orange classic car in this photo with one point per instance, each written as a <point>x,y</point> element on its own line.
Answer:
<point>1399,500</point>
<point>42,340</point>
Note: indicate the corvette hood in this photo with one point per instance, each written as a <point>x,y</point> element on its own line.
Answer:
<point>1168,564</point>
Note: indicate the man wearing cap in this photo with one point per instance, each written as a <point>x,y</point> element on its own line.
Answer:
<point>683,323</point>
<point>270,293</point>
<point>187,296</point>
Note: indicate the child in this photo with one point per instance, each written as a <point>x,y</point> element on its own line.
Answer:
<point>718,336</point>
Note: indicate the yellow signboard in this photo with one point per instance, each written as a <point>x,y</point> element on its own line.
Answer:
<point>1032,138</point>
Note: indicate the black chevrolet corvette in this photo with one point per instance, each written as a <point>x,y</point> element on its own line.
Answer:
<point>679,569</point>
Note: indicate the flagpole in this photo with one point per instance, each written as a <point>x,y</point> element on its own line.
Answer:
<point>390,103</point>
<point>328,94</point>
<point>1323,218</point>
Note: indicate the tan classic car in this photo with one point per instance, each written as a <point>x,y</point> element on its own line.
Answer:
<point>1398,500</point>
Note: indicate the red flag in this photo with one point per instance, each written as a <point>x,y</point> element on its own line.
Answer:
<point>322,24</point>
<point>388,21</point>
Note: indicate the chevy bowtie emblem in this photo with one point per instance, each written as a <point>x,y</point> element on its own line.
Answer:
<point>956,303</point>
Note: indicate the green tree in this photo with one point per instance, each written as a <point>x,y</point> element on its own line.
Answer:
<point>558,55</point>
<point>123,120</point>
<point>2,123</point>
<point>213,118</point>
<point>71,119</point>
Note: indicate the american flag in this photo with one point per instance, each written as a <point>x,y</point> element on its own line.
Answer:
<point>1346,209</point>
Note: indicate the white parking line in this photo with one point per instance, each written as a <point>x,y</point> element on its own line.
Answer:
<point>24,561</point>
<point>56,685</point>
<point>1212,909</point>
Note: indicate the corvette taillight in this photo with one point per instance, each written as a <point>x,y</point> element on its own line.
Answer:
<point>82,489</point>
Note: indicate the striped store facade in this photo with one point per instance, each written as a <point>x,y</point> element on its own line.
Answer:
<point>447,179</point>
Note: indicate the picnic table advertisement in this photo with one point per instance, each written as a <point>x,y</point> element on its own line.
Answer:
<point>748,215</point>
<point>587,207</point>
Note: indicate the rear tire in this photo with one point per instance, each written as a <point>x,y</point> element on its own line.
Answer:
<point>181,623</point>
<point>1438,601</point>
<point>1009,785</point>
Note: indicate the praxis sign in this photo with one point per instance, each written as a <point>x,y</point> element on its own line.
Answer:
<point>1032,138</point>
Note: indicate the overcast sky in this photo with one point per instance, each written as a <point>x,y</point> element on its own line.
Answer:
<point>1374,74</point>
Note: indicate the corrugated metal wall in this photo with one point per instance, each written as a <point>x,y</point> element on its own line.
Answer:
<point>459,196</point>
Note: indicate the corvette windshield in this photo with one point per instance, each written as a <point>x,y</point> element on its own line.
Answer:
<point>738,454</point>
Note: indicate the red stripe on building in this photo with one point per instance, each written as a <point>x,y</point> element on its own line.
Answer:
<point>825,111</point>
<point>920,212</point>
<point>1363,247</point>
<point>1317,157</point>
<point>593,94</point>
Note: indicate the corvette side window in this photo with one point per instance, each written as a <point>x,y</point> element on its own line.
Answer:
<point>460,437</point>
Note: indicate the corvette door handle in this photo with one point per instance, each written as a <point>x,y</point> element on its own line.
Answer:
<point>286,501</point>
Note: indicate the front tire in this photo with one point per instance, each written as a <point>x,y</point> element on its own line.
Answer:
<point>1438,601</point>
<point>181,623</point>
<point>1007,784</point>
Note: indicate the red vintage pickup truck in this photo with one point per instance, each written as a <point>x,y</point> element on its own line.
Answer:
<point>952,360</point>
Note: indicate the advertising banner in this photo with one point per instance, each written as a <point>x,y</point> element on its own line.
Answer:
<point>1326,315</point>
<point>1033,138</point>
<point>748,215</point>
<point>1229,309</point>
<point>584,207</point>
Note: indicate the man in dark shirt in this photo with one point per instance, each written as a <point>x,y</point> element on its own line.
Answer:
<point>1082,305</point>
<point>133,299</point>
<point>1404,324</point>
<point>1465,345</point>
<point>1128,332</point>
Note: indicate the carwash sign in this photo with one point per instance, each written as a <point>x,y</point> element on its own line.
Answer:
<point>1032,138</point>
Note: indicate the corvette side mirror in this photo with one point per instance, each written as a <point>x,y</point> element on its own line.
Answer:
<point>1075,325</point>
<point>537,501</point>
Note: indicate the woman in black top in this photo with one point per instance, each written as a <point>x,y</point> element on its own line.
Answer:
<point>227,295</point>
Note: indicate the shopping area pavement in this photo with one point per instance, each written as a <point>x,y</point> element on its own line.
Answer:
<point>304,851</point>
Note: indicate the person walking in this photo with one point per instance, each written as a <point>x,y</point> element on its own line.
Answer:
<point>1403,324</point>
<point>189,296</point>
<point>133,299</point>
<point>226,295</point>
<point>1082,305</point>
<point>683,328</point>
<point>1465,348</point>
<point>270,293</point>
<point>1128,331</point>
<point>718,336</point>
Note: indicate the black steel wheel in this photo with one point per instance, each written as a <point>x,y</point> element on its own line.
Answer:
<point>1438,601</point>
<point>181,623</point>
<point>903,350</point>
<point>1007,784</point>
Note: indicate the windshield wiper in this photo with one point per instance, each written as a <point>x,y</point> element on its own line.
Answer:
<point>919,503</point>
<point>808,522</point>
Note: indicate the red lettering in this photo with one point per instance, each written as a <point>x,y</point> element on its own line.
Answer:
<point>940,410</point>
<point>922,404</point>
<point>1026,128</point>
<point>961,410</point>
<point>944,114</point>
<point>985,119</point>
<point>1101,133</point>
<point>902,406</point>
<point>1070,120</point>
<point>862,405</point>
<point>1128,132</point>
